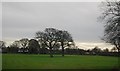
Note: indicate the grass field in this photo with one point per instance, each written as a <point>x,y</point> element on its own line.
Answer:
<point>26,61</point>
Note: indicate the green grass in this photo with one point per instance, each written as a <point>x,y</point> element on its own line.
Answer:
<point>26,61</point>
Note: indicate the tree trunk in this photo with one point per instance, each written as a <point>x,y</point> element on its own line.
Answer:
<point>23,50</point>
<point>118,51</point>
<point>62,49</point>
<point>51,52</point>
<point>118,48</point>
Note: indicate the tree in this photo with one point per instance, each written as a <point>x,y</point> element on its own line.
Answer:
<point>48,37</point>
<point>14,47</point>
<point>2,44</point>
<point>106,50</point>
<point>65,39</point>
<point>33,46</point>
<point>40,37</point>
<point>96,50</point>
<point>24,42</point>
<point>114,49</point>
<point>15,44</point>
<point>111,17</point>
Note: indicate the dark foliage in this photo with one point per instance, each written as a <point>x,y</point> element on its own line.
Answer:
<point>33,46</point>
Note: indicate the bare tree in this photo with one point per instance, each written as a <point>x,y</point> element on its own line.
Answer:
<point>15,44</point>
<point>96,50</point>
<point>2,44</point>
<point>48,37</point>
<point>111,17</point>
<point>24,42</point>
<point>65,39</point>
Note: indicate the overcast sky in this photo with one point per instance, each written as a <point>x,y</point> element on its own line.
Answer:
<point>23,19</point>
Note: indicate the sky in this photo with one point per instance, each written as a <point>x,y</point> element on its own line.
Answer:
<point>24,19</point>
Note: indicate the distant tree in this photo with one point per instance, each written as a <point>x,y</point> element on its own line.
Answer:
<point>14,47</point>
<point>82,51</point>
<point>75,51</point>
<point>33,46</point>
<point>15,44</point>
<point>69,51</point>
<point>88,50</point>
<point>114,49</point>
<point>24,42</point>
<point>96,50</point>
<point>65,39</point>
<point>111,17</point>
<point>2,44</point>
<point>48,37</point>
<point>106,50</point>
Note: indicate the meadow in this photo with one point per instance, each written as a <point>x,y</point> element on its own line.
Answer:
<point>32,61</point>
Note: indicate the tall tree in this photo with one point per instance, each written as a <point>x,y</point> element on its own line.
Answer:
<point>48,37</point>
<point>111,17</point>
<point>64,38</point>
<point>24,42</point>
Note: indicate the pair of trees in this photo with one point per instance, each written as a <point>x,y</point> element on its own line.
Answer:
<point>52,37</point>
<point>111,17</point>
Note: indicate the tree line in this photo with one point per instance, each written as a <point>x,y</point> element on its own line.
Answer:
<point>47,40</point>
<point>33,46</point>
<point>51,41</point>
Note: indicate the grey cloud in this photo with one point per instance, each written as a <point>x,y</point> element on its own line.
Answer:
<point>26,18</point>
